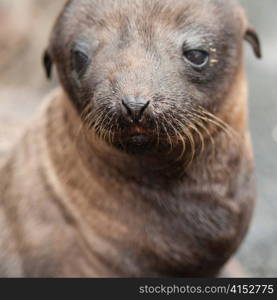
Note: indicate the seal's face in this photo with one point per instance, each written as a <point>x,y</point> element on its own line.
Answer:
<point>146,75</point>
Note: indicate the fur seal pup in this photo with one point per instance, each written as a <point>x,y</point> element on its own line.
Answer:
<point>141,164</point>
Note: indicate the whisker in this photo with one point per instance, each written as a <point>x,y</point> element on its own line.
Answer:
<point>167,133</point>
<point>193,126</point>
<point>157,131</point>
<point>185,129</point>
<point>200,123</point>
<point>219,123</point>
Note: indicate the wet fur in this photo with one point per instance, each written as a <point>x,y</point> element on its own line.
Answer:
<point>76,200</point>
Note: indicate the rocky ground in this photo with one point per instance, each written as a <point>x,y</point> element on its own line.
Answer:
<point>24,30</point>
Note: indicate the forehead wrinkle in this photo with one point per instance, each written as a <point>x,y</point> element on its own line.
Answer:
<point>171,12</point>
<point>147,15</point>
<point>143,20</point>
<point>195,37</point>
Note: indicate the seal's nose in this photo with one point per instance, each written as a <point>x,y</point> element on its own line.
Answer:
<point>134,107</point>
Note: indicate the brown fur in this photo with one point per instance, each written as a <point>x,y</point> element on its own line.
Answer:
<point>75,204</point>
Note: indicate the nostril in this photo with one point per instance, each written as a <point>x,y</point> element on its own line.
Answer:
<point>134,107</point>
<point>126,107</point>
<point>144,107</point>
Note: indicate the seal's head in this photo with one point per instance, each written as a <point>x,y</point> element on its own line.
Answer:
<point>149,74</point>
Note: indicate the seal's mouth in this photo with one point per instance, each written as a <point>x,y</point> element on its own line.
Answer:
<point>136,139</point>
<point>138,131</point>
<point>137,135</point>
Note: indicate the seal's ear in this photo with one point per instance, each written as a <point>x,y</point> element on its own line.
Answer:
<point>251,36</point>
<point>47,62</point>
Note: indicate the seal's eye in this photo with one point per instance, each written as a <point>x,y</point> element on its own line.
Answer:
<point>80,61</point>
<point>198,58</point>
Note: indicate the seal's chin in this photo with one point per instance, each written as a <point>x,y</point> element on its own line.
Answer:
<point>137,144</point>
<point>136,140</point>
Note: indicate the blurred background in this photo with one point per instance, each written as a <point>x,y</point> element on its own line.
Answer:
<point>24,30</point>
